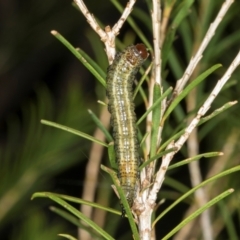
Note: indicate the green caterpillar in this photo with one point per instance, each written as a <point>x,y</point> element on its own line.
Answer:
<point>120,76</point>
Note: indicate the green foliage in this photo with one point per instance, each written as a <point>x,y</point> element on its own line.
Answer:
<point>33,155</point>
<point>89,63</point>
<point>77,213</point>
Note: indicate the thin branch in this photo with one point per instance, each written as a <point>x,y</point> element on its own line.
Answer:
<point>157,41</point>
<point>128,9</point>
<point>156,22</point>
<point>147,173</point>
<point>195,59</point>
<point>107,35</point>
<point>92,170</point>
<point>91,20</point>
<point>144,226</point>
<point>156,72</point>
<point>201,197</point>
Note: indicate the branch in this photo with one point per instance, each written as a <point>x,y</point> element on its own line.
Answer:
<point>128,9</point>
<point>91,20</point>
<point>195,59</point>
<point>107,35</point>
<point>156,22</point>
<point>156,72</point>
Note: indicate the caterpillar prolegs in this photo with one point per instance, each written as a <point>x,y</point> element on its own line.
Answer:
<point>120,76</point>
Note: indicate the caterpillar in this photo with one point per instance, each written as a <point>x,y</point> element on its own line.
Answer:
<point>120,76</point>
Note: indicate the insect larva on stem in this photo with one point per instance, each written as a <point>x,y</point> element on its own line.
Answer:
<point>120,76</point>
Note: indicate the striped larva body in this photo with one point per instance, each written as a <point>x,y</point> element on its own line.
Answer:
<point>120,76</point>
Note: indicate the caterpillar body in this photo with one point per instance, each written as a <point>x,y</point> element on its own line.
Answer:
<point>120,76</point>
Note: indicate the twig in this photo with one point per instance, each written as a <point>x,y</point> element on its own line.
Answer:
<point>92,169</point>
<point>200,196</point>
<point>91,20</point>
<point>108,35</point>
<point>157,41</point>
<point>195,59</point>
<point>128,9</point>
<point>156,73</point>
<point>156,21</point>
<point>144,226</point>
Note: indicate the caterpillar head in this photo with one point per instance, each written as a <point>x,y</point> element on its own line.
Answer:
<point>137,54</point>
